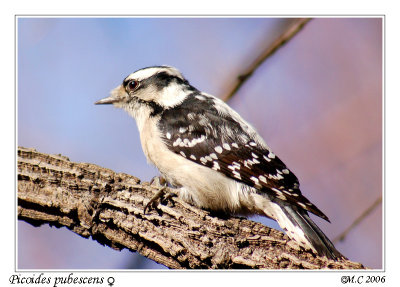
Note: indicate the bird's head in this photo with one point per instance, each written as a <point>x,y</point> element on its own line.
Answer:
<point>154,88</point>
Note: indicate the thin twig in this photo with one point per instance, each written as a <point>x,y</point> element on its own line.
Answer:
<point>357,221</point>
<point>278,43</point>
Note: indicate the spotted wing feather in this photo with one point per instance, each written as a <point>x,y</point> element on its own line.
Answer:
<point>196,137</point>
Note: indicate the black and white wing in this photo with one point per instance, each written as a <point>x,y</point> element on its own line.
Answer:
<point>214,138</point>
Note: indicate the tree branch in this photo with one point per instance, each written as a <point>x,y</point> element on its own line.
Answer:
<point>278,43</point>
<point>96,202</point>
<point>363,215</point>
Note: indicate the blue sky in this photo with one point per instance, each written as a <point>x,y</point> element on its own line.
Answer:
<point>317,102</point>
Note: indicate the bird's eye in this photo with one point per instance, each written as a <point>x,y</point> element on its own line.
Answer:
<point>132,85</point>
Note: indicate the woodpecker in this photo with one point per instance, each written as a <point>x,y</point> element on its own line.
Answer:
<point>214,158</point>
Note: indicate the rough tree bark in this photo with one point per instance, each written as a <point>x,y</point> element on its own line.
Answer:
<point>96,202</point>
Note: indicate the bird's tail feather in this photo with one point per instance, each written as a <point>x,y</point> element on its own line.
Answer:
<point>299,227</point>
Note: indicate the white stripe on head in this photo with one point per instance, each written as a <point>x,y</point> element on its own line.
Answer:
<point>150,71</point>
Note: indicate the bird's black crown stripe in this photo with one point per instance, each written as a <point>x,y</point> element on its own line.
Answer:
<point>163,79</point>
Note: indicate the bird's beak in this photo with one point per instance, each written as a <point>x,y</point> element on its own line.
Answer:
<point>113,98</point>
<point>106,101</point>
